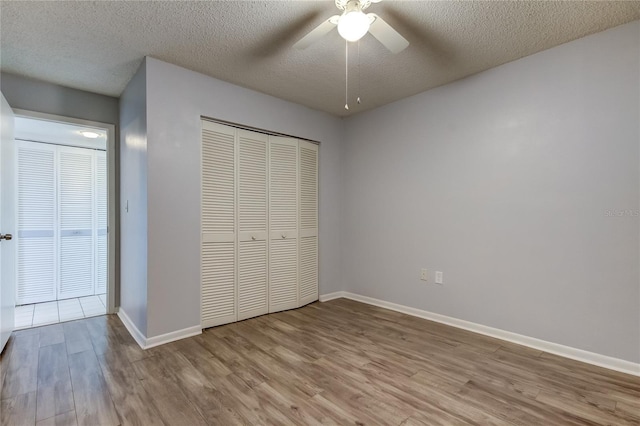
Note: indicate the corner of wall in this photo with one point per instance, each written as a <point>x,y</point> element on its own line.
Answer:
<point>133,203</point>
<point>509,182</point>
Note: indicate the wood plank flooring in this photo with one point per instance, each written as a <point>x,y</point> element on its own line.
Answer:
<point>339,362</point>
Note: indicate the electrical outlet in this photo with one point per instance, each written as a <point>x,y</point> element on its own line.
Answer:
<point>439,277</point>
<point>424,274</point>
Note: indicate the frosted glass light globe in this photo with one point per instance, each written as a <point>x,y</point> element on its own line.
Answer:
<point>353,25</point>
<point>90,135</point>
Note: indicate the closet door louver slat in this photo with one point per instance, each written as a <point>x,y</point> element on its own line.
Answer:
<point>218,259</point>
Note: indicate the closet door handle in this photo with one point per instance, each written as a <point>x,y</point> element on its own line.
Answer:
<point>253,238</point>
<point>284,236</point>
<point>6,237</point>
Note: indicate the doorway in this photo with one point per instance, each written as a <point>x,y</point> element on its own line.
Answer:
<point>63,214</point>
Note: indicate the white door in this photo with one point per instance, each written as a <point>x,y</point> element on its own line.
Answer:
<point>308,235</point>
<point>76,220</point>
<point>62,222</point>
<point>218,225</point>
<point>283,223</point>
<point>36,243</point>
<point>7,223</point>
<point>252,225</point>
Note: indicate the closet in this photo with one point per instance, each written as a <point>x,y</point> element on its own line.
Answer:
<point>259,223</point>
<point>62,222</point>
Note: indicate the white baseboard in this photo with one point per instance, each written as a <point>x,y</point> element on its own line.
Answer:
<point>150,342</point>
<point>554,348</point>
<point>173,336</point>
<point>334,295</point>
<point>131,328</point>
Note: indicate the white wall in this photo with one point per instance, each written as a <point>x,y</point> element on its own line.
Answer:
<point>176,99</point>
<point>133,192</point>
<point>503,181</point>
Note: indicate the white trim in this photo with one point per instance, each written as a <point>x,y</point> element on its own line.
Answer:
<point>593,358</point>
<point>334,295</point>
<point>173,336</point>
<point>131,328</point>
<point>150,342</point>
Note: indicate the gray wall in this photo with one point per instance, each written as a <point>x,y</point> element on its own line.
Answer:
<point>504,181</point>
<point>49,98</point>
<point>176,99</point>
<point>133,193</point>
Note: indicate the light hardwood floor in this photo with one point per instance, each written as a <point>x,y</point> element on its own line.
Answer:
<point>339,362</point>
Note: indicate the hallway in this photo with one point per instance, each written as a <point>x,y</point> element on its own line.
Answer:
<point>39,314</point>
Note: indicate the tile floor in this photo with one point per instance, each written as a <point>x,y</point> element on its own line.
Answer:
<point>59,311</point>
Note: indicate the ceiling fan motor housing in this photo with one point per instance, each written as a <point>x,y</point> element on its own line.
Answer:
<point>353,24</point>
<point>350,5</point>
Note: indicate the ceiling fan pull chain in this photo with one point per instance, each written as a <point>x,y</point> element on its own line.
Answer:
<point>346,76</point>
<point>358,76</point>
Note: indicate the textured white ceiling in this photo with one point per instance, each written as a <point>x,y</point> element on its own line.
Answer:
<point>97,46</point>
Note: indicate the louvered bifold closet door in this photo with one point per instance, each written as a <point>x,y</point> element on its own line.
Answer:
<point>76,209</point>
<point>252,223</point>
<point>36,180</point>
<point>308,234</point>
<point>101,218</point>
<point>218,222</point>
<point>283,223</point>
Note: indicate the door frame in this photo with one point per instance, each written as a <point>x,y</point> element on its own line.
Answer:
<point>111,190</point>
<point>8,225</point>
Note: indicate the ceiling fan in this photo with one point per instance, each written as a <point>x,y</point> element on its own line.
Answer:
<point>353,24</point>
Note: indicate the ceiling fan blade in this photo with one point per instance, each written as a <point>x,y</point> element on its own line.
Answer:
<point>390,38</point>
<point>317,33</point>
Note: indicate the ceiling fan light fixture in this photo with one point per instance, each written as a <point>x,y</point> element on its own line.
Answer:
<point>353,25</point>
